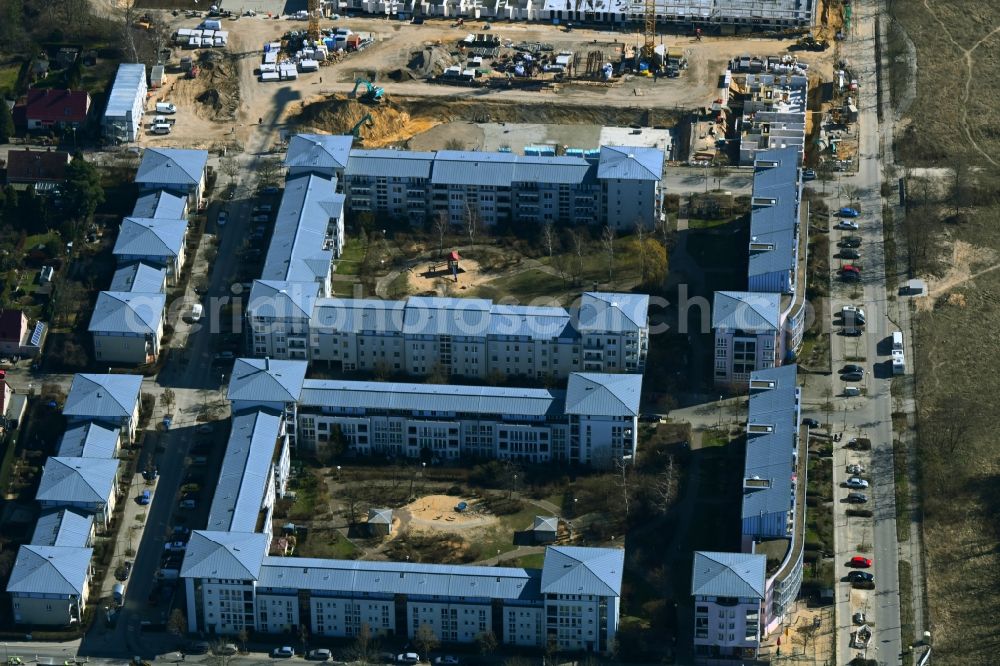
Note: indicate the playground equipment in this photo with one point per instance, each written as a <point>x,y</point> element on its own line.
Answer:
<point>373,94</point>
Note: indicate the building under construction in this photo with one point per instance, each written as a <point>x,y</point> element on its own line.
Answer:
<point>711,15</point>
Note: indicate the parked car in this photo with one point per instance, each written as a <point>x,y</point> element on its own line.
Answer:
<point>860,577</point>
<point>852,376</point>
<point>850,268</point>
<point>188,504</point>
<point>283,652</point>
<point>859,618</point>
<point>262,208</point>
<point>808,174</point>
<point>850,241</point>
<point>261,218</point>
<point>847,211</point>
<point>223,357</point>
<point>408,658</point>
<point>849,254</point>
<point>857,498</point>
<point>175,546</point>
<point>145,497</point>
<point>855,468</point>
<point>227,649</point>
<point>446,660</point>
<point>851,276</point>
<point>810,423</point>
<point>856,482</point>
<point>222,218</point>
<point>860,562</point>
<point>851,367</point>
<point>124,571</point>
<point>165,107</point>
<point>848,225</point>
<point>150,474</point>
<point>321,654</point>
<point>197,647</point>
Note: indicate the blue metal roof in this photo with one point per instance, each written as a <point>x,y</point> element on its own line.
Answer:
<point>355,315</point>
<point>73,480</point>
<point>412,579</point>
<point>746,311</point>
<point>598,394</point>
<point>576,570</point>
<point>267,380</point>
<point>613,312</point>
<point>246,469</point>
<point>89,440</point>
<point>172,166</point>
<point>282,300</point>
<point>444,399</point>
<point>103,396</point>
<point>457,317</point>
<point>533,322</point>
<point>739,575</point>
<point>386,163</point>
<point>63,527</point>
<point>54,570</point>
<point>318,151</point>
<point>555,170</point>
<point>147,237</point>
<point>128,81</point>
<point>297,252</point>
<point>127,312</point>
<point>160,204</point>
<point>139,277</point>
<point>234,555</point>
<point>630,163</point>
<point>459,167</point>
<point>769,454</point>
<point>774,214</point>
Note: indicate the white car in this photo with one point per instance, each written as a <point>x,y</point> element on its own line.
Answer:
<point>855,468</point>
<point>856,482</point>
<point>166,108</point>
<point>848,225</point>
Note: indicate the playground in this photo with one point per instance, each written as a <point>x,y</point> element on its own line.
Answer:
<point>438,512</point>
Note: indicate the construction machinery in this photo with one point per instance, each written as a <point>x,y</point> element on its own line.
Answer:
<point>366,121</point>
<point>315,11</point>
<point>649,30</point>
<point>810,43</point>
<point>373,94</point>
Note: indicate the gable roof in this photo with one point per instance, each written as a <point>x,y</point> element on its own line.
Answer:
<point>298,251</point>
<point>630,163</point>
<point>127,312</point>
<point>13,324</point>
<point>577,570</point>
<point>55,105</point>
<point>235,555</point>
<point>150,237</point>
<point>728,575</point>
<point>103,396</point>
<point>459,317</point>
<point>356,315</point>
<point>172,166</point>
<point>34,166</point>
<point>545,524</point>
<point>389,163</point>
<point>55,570</point>
<point>267,380</point>
<point>282,300</point>
<point>89,440</point>
<point>603,394</point>
<point>62,527</point>
<point>753,312</point>
<point>534,322</point>
<point>613,312</point>
<point>319,151</point>
<point>139,277</point>
<point>160,204</point>
<point>73,480</point>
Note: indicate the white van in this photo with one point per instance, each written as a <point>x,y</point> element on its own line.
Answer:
<point>160,128</point>
<point>851,391</point>
<point>196,311</point>
<point>897,341</point>
<point>166,108</point>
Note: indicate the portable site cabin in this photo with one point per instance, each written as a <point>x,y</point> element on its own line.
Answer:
<point>269,76</point>
<point>156,77</point>
<point>126,104</point>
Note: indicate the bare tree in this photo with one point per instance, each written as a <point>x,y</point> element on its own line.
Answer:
<point>608,240</point>
<point>472,222</point>
<point>622,466</point>
<point>127,16</point>
<point>824,172</point>
<point>549,238</point>
<point>441,227</point>
<point>177,623</point>
<point>720,169</point>
<point>486,642</point>
<point>364,645</point>
<point>665,484</point>
<point>426,640</point>
<point>951,425</point>
<point>268,172</point>
<point>640,242</point>
<point>168,398</point>
<point>229,166</point>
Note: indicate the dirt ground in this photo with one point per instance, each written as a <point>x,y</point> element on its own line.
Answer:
<point>423,279</point>
<point>437,512</point>
<point>808,635</point>
<point>224,104</point>
<point>966,263</point>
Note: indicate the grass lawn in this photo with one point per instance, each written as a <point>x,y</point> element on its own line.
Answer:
<point>327,544</point>
<point>8,75</point>
<point>350,262</point>
<point>533,561</point>
<point>523,287</point>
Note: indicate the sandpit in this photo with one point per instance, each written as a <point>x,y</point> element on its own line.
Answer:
<point>430,276</point>
<point>438,512</point>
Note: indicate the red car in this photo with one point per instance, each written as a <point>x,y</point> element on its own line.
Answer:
<point>850,268</point>
<point>860,562</point>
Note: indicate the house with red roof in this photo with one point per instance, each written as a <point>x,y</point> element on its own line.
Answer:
<point>53,108</point>
<point>36,167</point>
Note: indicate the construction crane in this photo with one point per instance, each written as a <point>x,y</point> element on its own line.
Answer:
<point>314,13</point>
<point>649,30</point>
<point>366,121</point>
<point>373,94</point>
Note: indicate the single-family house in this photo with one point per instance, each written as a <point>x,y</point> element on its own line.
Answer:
<point>44,169</point>
<point>54,108</point>
<point>17,336</point>
<point>110,399</point>
<point>155,241</point>
<point>127,326</point>
<point>174,169</point>
<point>49,585</point>
<point>86,484</point>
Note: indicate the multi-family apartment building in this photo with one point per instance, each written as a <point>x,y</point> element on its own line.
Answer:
<point>593,422</point>
<point>774,114</point>
<point>763,326</point>
<point>772,529</point>
<point>603,332</point>
<point>619,188</point>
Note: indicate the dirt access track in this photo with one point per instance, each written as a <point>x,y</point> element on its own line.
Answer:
<point>226,102</point>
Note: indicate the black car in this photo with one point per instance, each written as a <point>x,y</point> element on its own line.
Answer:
<point>850,254</point>
<point>122,572</point>
<point>810,423</point>
<point>851,367</point>
<point>850,241</point>
<point>857,498</point>
<point>860,577</point>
